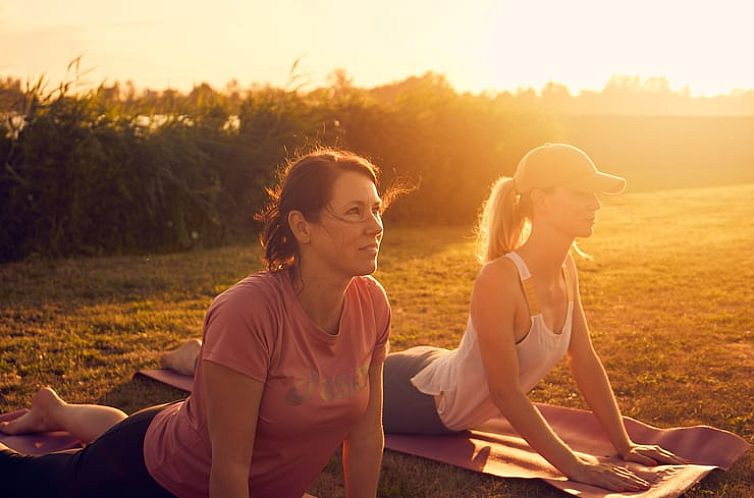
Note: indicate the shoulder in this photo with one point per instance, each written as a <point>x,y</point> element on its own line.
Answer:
<point>370,286</point>
<point>499,274</point>
<point>257,291</point>
<point>372,297</point>
<point>497,287</point>
<point>254,307</point>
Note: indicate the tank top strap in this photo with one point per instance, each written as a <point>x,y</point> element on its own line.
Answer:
<point>526,283</point>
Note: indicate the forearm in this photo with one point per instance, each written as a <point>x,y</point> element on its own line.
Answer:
<point>529,423</point>
<point>361,465</point>
<point>228,481</point>
<point>595,386</point>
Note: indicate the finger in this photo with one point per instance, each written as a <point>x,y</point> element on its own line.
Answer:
<point>663,453</point>
<point>618,478</point>
<point>618,483</point>
<point>629,476</point>
<point>625,483</point>
<point>629,484</point>
<point>669,457</point>
<point>654,476</point>
<point>641,458</point>
<point>665,457</point>
<point>656,453</point>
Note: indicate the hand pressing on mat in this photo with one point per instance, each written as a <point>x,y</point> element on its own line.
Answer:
<point>607,475</point>
<point>651,455</point>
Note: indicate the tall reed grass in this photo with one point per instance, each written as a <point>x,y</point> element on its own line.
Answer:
<point>112,171</point>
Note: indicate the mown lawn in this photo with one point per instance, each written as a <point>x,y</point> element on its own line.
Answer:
<point>669,296</point>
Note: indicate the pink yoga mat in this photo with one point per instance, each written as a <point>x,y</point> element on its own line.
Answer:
<point>37,444</point>
<point>498,450</point>
<point>169,377</point>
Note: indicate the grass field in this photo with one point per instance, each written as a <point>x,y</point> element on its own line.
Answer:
<point>669,296</point>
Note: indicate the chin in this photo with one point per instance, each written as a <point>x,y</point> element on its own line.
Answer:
<point>369,269</point>
<point>361,269</point>
<point>584,232</point>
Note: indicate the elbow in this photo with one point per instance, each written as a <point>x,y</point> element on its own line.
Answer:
<point>506,396</point>
<point>230,470</point>
<point>585,364</point>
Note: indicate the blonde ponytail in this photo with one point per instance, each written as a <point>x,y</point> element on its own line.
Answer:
<point>502,225</point>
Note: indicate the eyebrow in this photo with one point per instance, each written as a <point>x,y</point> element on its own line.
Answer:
<point>378,203</point>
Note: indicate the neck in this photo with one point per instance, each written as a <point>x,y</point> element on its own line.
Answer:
<point>545,252</point>
<point>320,293</point>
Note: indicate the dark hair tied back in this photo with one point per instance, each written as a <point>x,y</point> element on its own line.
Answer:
<point>305,185</point>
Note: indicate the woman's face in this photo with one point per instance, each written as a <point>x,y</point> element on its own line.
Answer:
<point>570,212</point>
<point>347,236</point>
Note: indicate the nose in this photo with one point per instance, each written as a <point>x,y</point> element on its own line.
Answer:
<point>374,224</point>
<point>596,203</point>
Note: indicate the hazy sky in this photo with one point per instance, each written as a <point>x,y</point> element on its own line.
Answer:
<point>477,44</point>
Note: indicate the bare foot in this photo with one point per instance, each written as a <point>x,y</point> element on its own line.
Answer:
<point>183,358</point>
<point>41,416</point>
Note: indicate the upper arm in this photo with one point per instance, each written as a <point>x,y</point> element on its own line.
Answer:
<point>493,306</point>
<point>383,319</point>
<point>232,401</point>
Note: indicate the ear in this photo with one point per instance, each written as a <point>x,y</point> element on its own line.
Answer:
<point>299,227</point>
<point>538,199</point>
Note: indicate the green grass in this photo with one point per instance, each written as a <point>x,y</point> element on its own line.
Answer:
<point>669,297</point>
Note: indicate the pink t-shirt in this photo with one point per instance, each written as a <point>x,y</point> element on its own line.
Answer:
<point>316,385</point>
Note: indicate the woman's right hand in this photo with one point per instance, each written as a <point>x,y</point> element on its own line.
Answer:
<point>607,475</point>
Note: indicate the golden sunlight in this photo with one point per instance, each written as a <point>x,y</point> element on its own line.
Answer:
<point>483,45</point>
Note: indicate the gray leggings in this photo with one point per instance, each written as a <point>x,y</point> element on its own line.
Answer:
<point>406,410</point>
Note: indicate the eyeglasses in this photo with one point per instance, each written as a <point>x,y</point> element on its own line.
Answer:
<point>356,214</point>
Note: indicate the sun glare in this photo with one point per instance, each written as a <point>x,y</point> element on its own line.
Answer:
<point>480,45</point>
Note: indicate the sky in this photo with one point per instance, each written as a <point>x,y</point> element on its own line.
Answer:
<point>479,45</point>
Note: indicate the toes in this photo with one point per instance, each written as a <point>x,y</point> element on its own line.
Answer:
<point>10,427</point>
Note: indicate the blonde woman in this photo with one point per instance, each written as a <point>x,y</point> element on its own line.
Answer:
<point>525,315</point>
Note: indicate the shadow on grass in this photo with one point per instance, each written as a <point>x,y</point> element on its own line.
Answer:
<point>140,393</point>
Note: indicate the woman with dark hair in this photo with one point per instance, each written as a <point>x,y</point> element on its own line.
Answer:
<point>290,367</point>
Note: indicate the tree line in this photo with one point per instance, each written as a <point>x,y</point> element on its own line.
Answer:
<point>113,170</point>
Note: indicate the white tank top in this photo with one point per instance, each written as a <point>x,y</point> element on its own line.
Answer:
<point>459,375</point>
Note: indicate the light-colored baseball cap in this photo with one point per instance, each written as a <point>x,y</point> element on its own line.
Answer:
<point>563,165</point>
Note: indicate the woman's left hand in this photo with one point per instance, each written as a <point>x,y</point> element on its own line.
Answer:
<point>651,454</point>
